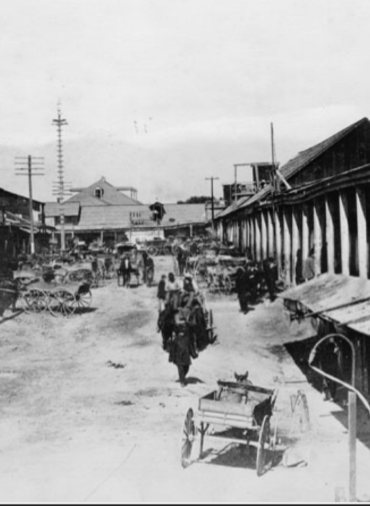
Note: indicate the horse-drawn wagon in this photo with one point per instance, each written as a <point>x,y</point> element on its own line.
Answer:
<point>237,412</point>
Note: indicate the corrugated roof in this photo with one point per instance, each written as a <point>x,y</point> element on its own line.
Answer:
<point>177,214</point>
<point>330,290</point>
<point>54,209</point>
<point>111,196</point>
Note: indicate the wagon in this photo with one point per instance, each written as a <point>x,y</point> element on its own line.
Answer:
<point>63,299</point>
<point>241,413</point>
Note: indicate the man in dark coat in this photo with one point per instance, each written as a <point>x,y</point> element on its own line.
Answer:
<point>180,351</point>
<point>241,286</point>
<point>125,270</point>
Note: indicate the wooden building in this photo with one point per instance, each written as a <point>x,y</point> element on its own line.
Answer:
<point>325,207</point>
<point>15,224</point>
<point>104,214</point>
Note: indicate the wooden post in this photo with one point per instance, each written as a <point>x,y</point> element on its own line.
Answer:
<point>287,247</point>
<point>317,232</point>
<point>344,232</point>
<point>263,236</point>
<point>278,240</point>
<point>295,244</point>
<point>361,232</point>
<point>305,234</point>
<point>258,236</point>
<point>352,430</point>
<point>270,234</point>
<point>329,234</point>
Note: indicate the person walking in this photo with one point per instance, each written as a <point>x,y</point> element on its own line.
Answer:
<point>161,293</point>
<point>309,270</point>
<point>179,352</point>
<point>125,270</point>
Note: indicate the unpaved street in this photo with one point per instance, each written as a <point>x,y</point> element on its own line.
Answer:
<point>91,409</point>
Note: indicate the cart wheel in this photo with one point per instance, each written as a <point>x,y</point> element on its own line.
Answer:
<point>264,438</point>
<point>83,299</point>
<point>152,250</point>
<point>54,305</point>
<point>37,300</point>
<point>25,301</point>
<point>67,301</point>
<point>187,438</point>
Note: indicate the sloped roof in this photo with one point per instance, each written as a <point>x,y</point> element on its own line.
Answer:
<point>307,156</point>
<point>54,208</point>
<point>110,217</point>
<point>350,294</point>
<point>111,196</point>
<point>177,214</point>
<point>294,165</point>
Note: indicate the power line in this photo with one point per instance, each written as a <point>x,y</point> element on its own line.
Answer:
<point>61,189</point>
<point>213,209</point>
<point>25,166</point>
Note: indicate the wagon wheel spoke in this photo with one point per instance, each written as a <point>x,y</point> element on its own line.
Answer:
<point>187,438</point>
<point>67,301</point>
<point>83,299</point>
<point>264,438</point>
<point>54,306</point>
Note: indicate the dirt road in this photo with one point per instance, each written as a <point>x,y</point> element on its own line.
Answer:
<point>91,409</point>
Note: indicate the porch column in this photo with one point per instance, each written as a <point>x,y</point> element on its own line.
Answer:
<point>305,233</point>
<point>263,235</point>
<point>329,234</point>
<point>270,234</point>
<point>102,236</point>
<point>361,232</point>
<point>295,243</point>
<point>258,236</point>
<point>317,236</point>
<point>253,237</point>
<point>286,245</point>
<point>344,232</point>
<point>278,240</point>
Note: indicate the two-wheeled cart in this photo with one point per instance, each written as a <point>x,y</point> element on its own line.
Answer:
<point>238,413</point>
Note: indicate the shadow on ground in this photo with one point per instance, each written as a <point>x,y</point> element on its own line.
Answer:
<point>299,351</point>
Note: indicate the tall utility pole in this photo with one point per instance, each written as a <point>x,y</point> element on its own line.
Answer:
<point>59,188</point>
<point>24,167</point>
<point>213,208</point>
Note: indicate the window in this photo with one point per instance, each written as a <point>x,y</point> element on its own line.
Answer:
<point>99,193</point>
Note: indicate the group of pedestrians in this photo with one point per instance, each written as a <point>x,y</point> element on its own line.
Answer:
<point>252,278</point>
<point>176,301</point>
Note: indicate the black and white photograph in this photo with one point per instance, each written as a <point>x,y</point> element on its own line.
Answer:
<point>184,251</point>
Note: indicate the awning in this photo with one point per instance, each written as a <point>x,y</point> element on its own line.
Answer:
<point>344,300</point>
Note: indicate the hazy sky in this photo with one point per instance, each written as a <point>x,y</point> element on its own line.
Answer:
<point>160,94</point>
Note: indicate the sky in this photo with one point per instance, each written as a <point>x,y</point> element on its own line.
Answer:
<point>162,94</point>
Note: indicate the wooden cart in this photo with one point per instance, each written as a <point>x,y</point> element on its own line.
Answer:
<point>245,408</point>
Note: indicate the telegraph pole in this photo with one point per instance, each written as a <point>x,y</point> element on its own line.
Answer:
<point>213,211</point>
<point>59,186</point>
<point>35,163</point>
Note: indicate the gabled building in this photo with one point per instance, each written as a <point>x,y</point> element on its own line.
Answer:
<point>103,213</point>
